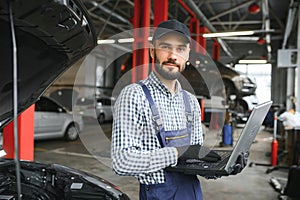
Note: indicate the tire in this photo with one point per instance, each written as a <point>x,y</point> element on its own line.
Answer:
<point>101,118</point>
<point>242,106</point>
<point>71,133</point>
<point>229,88</point>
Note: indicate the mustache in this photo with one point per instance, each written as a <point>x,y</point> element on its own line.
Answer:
<point>170,62</point>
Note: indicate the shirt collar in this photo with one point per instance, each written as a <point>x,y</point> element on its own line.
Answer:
<point>153,79</point>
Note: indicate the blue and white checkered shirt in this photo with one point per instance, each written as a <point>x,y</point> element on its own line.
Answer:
<point>135,148</point>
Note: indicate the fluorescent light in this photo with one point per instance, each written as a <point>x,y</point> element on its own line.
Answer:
<point>106,41</point>
<point>126,40</point>
<point>252,61</point>
<point>226,34</point>
<point>251,38</point>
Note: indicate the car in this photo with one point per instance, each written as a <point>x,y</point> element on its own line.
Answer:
<point>99,108</point>
<point>209,77</point>
<point>85,107</point>
<point>54,182</point>
<point>206,77</point>
<point>50,37</point>
<point>104,109</point>
<point>52,120</point>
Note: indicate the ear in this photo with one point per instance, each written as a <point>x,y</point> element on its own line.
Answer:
<point>189,50</point>
<point>152,51</point>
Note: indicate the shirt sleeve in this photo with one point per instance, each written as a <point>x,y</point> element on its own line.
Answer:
<point>129,155</point>
<point>197,134</point>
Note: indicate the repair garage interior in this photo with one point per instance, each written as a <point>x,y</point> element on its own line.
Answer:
<point>252,46</point>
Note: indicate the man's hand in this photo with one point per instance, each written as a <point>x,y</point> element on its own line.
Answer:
<point>197,152</point>
<point>240,164</point>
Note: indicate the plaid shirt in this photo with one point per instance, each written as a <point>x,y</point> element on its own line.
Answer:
<point>135,148</point>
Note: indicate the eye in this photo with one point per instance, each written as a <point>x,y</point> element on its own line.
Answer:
<point>164,47</point>
<point>181,49</point>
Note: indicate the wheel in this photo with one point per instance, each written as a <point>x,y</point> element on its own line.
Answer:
<point>242,106</point>
<point>101,118</point>
<point>229,88</point>
<point>71,133</point>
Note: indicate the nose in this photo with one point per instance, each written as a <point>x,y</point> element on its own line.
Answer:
<point>172,54</point>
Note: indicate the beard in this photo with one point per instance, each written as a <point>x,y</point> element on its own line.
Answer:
<point>168,74</point>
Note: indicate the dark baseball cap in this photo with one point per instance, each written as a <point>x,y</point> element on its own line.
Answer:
<point>169,26</point>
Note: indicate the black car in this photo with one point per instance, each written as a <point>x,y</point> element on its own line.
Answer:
<point>206,78</point>
<point>42,41</point>
<point>54,182</point>
<point>209,77</point>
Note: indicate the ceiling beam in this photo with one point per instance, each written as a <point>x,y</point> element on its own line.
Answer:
<point>110,12</point>
<point>290,21</point>
<point>191,4</point>
<point>237,22</point>
<point>211,10</point>
<point>230,10</point>
<point>267,25</point>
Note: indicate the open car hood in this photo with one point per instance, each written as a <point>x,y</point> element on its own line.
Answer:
<point>51,35</point>
<point>54,182</point>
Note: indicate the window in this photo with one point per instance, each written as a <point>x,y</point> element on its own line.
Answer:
<point>46,105</point>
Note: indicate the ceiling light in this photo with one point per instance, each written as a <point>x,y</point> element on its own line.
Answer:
<point>106,41</point>
<point>126,40</point>
<point>254,8</point>
<point>226,34</point>
<point>252,61</point>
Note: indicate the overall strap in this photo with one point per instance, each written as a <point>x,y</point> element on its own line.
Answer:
<point>153,108</point>
<point>155,115</point>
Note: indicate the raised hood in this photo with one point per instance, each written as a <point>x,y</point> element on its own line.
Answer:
<point>50,35</point>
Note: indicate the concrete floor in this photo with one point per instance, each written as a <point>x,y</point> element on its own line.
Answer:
<point>91,154</point>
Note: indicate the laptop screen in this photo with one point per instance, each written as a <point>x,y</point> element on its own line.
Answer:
<point>249,132</point>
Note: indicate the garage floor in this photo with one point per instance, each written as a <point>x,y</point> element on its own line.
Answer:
<point>92,154</point>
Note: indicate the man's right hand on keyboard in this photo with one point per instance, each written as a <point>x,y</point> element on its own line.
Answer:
<point>197,152</point>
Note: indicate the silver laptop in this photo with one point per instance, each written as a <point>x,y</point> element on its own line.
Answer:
<point>225,165</point>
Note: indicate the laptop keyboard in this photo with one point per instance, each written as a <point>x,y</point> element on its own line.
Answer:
<point>223,154</point>
<point>202,164</point>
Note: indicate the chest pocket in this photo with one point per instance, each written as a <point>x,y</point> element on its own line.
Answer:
<point>173,138</point>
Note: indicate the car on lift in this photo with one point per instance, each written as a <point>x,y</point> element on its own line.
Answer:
<point>40,40</point>
<point>204,75</point>
<point>52,120</point>
<point>208,77</point>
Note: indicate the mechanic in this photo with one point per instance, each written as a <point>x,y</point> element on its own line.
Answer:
<point>156,123</point>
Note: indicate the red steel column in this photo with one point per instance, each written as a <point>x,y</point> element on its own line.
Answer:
<point>160,14</point>
<point>195,31</point>
<point>216,49</point>
<point>25,136</point>
<point>160,11</point>
<point>202,40</point>
<point>141,23</point>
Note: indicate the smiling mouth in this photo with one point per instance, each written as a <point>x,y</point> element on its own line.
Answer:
<point>171,65</point>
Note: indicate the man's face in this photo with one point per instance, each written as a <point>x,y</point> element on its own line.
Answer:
<point>170,53</point>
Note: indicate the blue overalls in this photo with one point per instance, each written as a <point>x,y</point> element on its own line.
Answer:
<point>177,186</point>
